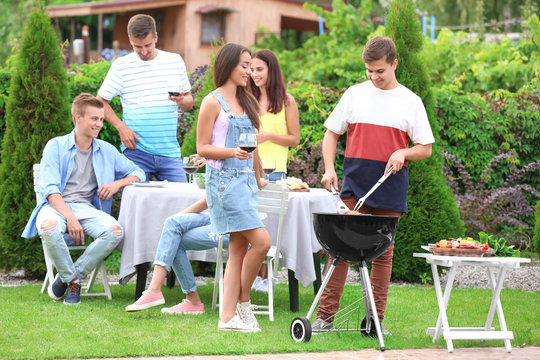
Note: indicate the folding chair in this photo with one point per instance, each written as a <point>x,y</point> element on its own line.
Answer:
<point>273,199</point>
<point>50,276</point>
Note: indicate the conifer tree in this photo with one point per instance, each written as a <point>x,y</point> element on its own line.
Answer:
<point>37,110</point>
<point>432,210</point>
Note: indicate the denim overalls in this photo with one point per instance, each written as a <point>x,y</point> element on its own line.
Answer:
<point>231,190</point>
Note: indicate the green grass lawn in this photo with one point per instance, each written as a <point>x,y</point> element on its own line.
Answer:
<point>34,326</point>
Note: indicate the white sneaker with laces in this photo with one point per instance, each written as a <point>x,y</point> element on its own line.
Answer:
<point>236,324</point>
<point>245,313</point>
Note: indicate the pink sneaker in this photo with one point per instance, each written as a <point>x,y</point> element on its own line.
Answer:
<point>146,301</point>
<point>185,307</point>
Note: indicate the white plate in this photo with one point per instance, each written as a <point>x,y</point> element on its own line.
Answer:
<point>150,183</point>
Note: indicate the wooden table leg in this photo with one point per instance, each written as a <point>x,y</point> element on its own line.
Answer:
<point>293,292</point>
<point>142,270</point>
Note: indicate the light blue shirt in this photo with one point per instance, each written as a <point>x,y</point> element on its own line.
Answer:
<point>57,164</point>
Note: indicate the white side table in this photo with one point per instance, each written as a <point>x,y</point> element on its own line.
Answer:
<point>487,332</point>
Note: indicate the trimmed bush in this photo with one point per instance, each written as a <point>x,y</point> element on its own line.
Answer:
<point>536,237</point>
<point>88,78</point>
<point>37,110</point>
<point>433,213</point>
<point>202,81</point>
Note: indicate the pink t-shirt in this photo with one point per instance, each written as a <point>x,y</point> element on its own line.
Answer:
<point>219,134</point>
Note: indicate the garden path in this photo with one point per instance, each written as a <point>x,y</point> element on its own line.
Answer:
<point>526,353</point>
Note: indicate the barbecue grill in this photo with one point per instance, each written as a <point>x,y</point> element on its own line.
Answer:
<point>357,239</point>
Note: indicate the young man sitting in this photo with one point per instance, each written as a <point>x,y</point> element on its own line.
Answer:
<point>79,174</point>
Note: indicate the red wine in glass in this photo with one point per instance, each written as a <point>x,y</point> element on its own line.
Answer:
<point>190,169</point>
<point>248,148</point>
<point>268,171</point>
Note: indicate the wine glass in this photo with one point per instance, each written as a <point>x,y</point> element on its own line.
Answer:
<point>269,166</point>
<point>173,88</point>
<point>247,142</point>
<point>189,167</point>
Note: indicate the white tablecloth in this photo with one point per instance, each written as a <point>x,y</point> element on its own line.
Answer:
<point>144,209</point>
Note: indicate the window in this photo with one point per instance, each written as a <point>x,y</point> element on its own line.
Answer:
<point>213,27</point>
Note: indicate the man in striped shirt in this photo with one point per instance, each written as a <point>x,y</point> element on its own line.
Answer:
<point>149,122</point>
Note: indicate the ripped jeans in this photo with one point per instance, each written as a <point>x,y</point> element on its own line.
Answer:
<point>102,227</point>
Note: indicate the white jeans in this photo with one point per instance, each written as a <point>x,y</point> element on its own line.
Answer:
<point>102,227</point>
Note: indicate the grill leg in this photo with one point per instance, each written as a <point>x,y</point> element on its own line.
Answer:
<point>321,289</point>
<point>366,301</point>
<point>365,275</point>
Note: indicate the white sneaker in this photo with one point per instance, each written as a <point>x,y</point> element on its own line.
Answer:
<point>236,324</point>
<point>256,283</point>
<point>245,313</point>
<point>262,286</point>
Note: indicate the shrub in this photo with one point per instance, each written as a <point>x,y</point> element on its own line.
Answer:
<point>315,103</point>
<point>536,237</point>
<point>37,110</point>
<point>310,167</point>
<point>203,83</point>
<point>479,66</point>
<point>500,210</point>
<point>334,58</point>
<point>88,78</point>
<point>5,79</point>
<point>477,127</point>
<point>433,212</point>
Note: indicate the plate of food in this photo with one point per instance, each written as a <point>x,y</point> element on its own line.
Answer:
<point>150,183</point>
<point>460,247</point>
<point>294,184</point>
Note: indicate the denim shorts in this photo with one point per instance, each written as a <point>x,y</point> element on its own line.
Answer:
<point>232,197</point>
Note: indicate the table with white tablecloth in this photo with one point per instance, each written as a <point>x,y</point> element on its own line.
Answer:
<point>144,209</point>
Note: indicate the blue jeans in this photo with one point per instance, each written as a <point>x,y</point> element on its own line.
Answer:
<point>183,232</point>
<point>102,227</point>
<point>275,176</point>
<point>163,167</point>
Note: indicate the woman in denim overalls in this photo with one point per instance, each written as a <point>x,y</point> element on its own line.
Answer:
<point>231,185</point>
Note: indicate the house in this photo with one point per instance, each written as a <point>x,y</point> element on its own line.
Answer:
<point>188,27</point>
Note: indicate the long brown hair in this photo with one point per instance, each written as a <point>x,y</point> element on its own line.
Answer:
<point>226,61</point>
<point>275,85</point>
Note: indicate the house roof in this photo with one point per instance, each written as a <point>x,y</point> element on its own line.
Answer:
<point>109,7</point>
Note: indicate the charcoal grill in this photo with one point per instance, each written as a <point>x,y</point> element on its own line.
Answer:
<point>357,239</point>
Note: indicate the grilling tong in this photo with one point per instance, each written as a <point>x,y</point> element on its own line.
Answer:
<point>342,208</point>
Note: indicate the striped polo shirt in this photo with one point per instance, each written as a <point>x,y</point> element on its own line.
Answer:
<point>379,122</point>
<point>147,110</point>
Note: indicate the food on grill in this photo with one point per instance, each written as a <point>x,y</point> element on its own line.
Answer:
<point>293,183</point>
<point>352,212</point>
<point>460,243</point>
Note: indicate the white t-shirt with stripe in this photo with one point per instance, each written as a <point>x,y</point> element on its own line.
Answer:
<point>147,110</point>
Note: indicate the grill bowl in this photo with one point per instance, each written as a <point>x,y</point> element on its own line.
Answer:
<point>355,237</point>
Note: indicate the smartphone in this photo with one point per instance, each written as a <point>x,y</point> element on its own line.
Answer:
<point>174,93</point>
